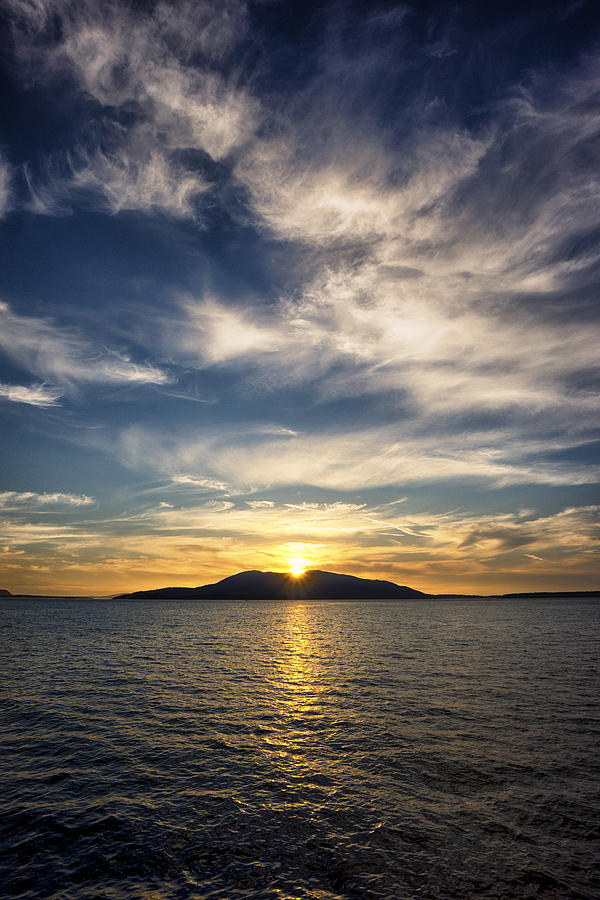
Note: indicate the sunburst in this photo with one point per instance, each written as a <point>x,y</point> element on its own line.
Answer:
<point>297,567</point>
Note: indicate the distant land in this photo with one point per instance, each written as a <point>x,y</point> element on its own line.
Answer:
<point>316,585</point>
<point>4,593</point>
<point>312,585</point>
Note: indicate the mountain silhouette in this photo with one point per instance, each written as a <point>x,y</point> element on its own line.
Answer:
<point>313,585</point>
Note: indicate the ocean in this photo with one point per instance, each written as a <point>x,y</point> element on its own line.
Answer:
<point>385,749</point>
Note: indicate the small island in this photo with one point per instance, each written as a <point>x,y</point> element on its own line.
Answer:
<point>311,585</point>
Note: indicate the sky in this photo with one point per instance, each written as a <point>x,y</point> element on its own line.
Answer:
<point>287,280</point>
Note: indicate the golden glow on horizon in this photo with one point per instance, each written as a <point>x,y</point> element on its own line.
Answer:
<point>205,543</point>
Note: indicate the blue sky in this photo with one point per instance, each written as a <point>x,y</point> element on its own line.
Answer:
<point>282,280</point>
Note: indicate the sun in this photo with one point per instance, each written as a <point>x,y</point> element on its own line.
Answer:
<point>297,567</point>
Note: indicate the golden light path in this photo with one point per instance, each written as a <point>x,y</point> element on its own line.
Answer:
<point>299,684</point>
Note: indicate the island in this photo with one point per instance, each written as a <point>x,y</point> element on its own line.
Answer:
<point>312,585</point>
<point>309,585</point>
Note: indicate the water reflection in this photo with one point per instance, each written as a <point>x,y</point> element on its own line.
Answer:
<point>299,696</point>
<point>299,749</point>
<point>297,665</point>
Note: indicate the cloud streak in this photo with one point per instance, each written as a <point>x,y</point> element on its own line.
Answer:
<point>18,499</point>
<point>66,358</point>
<point>36,395</point>
<point>6,192</point>
<point>360,458</point>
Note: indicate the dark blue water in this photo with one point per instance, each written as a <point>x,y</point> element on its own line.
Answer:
<point>245,749</point>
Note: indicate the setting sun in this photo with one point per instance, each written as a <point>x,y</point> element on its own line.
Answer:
<point>298,567</point>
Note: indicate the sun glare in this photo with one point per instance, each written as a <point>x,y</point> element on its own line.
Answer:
<point>298,567</point>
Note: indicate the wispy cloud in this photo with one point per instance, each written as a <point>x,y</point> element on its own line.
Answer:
<point>346,460</point>
<point>355,196</point>
<point>5,186</point>
<point>36,395</point>
<point>428,273</point>
<point>156,105</point>
<point>204,484</point>
<point>433,263</point>
<point>211,332</point>
<point>19,499</point>
<point>65,357</point>
<point>115,181</point>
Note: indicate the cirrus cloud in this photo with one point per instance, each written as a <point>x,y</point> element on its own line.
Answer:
<point>65,357</point>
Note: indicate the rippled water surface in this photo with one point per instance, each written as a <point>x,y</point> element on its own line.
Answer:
<point>246,749</point>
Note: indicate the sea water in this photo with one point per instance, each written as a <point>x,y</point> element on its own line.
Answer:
<point>443,749</point>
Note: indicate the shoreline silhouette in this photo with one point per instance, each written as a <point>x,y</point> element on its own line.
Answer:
<point>313,584</point>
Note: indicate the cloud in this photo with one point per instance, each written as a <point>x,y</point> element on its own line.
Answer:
<point>254,458</point>
<point>5,186</point>
<point>434,260</point>
<point>502,538</point>
<point>213,333</point>
<point>570,531</point>
<point>38,395</point>
<point>360,332</point>
<point>21,535</point>
<point>205,484</point>
<point>151,104</point>
<point>64,357</point>
<point>454,271</point>
<point>355,196</point>
<point>534,197</point>
<point>122,180</point>
<point>16,499</point>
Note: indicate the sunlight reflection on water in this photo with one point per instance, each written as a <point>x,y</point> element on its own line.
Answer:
<point>408,749</point>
